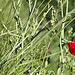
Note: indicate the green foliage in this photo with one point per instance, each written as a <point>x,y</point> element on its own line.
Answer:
<point>28,28</point>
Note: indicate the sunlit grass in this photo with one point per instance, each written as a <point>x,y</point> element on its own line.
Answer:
<point>32,37</point>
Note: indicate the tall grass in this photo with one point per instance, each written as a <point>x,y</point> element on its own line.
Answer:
<point>32,37</point>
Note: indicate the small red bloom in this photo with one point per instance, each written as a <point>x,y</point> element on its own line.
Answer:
<point>71,46</point>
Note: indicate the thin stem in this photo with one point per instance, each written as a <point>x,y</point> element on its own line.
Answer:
<point>41,4</point>
<point>30,17</point>
<point>67,7</point>
<point>62,34</point>
<point>43,9</point>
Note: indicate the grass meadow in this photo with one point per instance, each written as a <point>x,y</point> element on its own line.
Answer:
<point>34,35</point>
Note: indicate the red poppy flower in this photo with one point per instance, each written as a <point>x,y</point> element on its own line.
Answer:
<point>71,46</point>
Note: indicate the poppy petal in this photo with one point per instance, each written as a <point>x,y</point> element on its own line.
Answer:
<point>71,46</point>
<point>73,51</point>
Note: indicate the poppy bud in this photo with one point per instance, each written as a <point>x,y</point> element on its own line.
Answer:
<point>71,46</point>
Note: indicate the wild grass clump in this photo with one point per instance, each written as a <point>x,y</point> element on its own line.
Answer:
<point>34,36</point>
